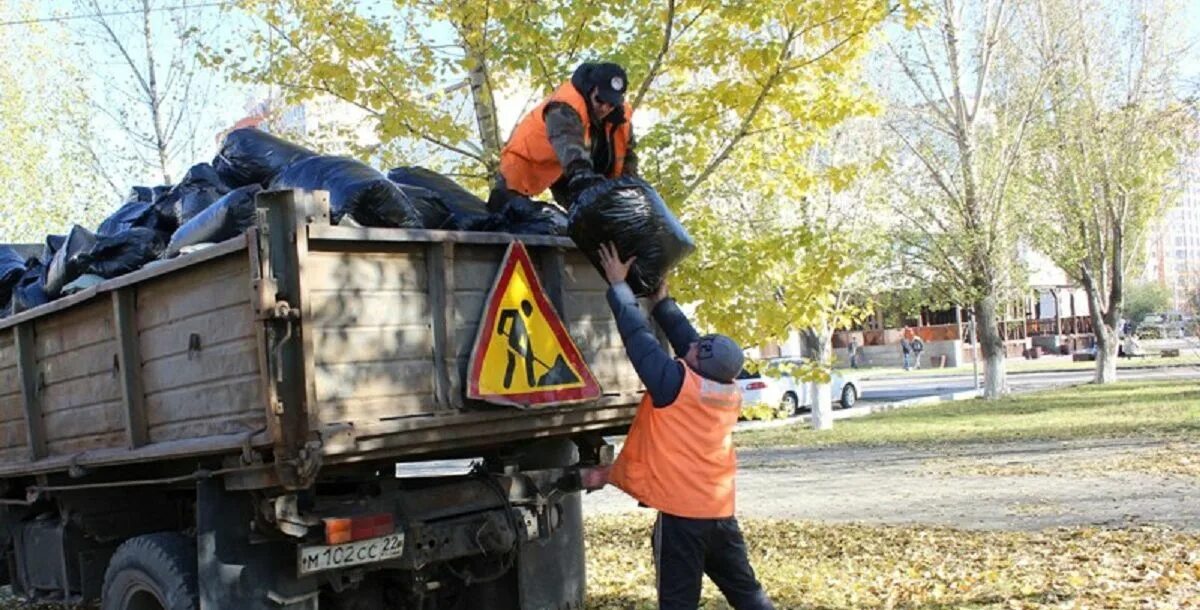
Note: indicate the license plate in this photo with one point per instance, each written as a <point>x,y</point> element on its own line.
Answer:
<point>318,557</point>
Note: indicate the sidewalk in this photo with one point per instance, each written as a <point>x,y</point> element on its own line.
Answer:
<point>1059,364</point>
<point>863,410</point>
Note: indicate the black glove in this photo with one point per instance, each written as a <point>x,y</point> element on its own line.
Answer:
<point>582,181</point>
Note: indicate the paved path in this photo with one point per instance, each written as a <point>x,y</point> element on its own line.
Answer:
<point>1029,486</point>
<point>903,387</point>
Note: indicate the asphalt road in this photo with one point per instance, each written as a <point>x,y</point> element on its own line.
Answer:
<point>904,387</point>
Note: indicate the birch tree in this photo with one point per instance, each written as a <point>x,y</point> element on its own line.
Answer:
<point>1104,164</point>
<point>963,120</point>
<point>160,101</point>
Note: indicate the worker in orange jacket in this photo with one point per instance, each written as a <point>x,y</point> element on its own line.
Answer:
<point>572,140</point>
<point>678,457</point>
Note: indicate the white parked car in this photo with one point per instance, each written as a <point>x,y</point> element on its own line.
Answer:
<point>789,394</point>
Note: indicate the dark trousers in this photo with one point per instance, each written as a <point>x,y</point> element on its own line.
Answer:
<point>687,549</point>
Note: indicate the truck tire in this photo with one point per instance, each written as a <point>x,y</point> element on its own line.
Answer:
<point>152,572</point>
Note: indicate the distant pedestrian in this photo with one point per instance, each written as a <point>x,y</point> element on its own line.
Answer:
<point>918,346</point>
<point>906,345</point>
<point>853,352</point>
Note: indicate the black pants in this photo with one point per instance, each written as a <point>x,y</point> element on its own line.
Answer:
<point>687,549</point>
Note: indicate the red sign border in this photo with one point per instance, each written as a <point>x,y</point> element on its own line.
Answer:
<point>517,254</point>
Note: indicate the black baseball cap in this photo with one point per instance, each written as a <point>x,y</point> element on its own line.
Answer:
<point>610,78</point>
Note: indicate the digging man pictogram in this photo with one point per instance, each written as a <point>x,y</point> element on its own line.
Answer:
<point>511,324</point>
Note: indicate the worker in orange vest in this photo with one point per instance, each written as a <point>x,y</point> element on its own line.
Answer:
<point>572,140</point>
<point>678,457</point>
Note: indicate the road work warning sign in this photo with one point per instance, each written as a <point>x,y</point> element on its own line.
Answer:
<point>523,355</point>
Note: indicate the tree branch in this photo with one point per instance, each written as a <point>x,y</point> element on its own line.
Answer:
<point>747,120</point>
<point>934,172</point>
<point>658,59</point>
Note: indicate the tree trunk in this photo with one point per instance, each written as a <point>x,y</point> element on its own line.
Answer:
<point>819,348</point>
<point>1104,329</point>
<point>1106,355</point>
<point>987,331</point>
<point>153,99</point>
<point>484,102</point>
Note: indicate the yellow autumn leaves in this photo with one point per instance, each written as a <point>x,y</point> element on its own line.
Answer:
<point>832,567</point>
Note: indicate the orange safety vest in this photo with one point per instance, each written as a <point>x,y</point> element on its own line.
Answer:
<point>679,459</point>
<point>528,162</point>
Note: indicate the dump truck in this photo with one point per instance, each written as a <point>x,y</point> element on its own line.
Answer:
<point>244,427</point>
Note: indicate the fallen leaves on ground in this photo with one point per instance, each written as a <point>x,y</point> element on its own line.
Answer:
<point>964,467</point>
<point>1175,459</point>
<point>825,566</point>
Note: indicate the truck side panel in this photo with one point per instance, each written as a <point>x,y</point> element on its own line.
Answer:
<point>593,328</point>
<point>185,357</point>
<point>199,352</point>
<point>80,394</point>
<point>14,440</point>
<point>373,342</point>
<point>194,341</point>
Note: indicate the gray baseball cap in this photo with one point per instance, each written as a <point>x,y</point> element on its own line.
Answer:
<point>720,358</point>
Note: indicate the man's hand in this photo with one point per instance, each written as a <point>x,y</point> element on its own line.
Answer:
<point>661,294</point>
<point>582,181</point>
<point>615,271</point>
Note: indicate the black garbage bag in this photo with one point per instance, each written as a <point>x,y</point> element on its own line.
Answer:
<point>12,268</point>
<point>522,216</point>
<point>446,188</point>
<point>437,213</point>
<point>525,216</point>
<point>252,156</point>
<point>354,188</point>
<point>442,202</point>
<point>116,255</point>
<point>144,194</point>
<point>125,252</point>
<point>30,291</point>
<point>53,243</point>
<point>630,213</point>
<point>200,188</point>
<point>62,267</point>
<point>134,214</point>
<point>225,219</point>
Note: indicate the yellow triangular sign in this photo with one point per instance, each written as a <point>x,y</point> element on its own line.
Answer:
<point>523,354</point>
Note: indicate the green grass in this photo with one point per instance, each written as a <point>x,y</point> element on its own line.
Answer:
<point>1053,363</point>
<point>1160,408</point>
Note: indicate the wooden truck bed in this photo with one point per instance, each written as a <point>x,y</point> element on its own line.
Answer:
<point>325,344</point>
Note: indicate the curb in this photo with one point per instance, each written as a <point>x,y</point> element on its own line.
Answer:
<point>862,411</point>
<point>1174,365</point>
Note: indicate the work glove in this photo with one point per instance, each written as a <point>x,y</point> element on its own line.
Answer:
<point>582,181</point>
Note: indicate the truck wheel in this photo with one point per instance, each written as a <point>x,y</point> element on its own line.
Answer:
<point>152,572</point>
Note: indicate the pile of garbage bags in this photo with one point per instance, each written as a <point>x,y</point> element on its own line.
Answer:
<point>215,202</point>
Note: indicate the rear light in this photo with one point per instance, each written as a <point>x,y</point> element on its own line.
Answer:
<point>756,385</point>
<point>595,477</point>
<point>339,530</point>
